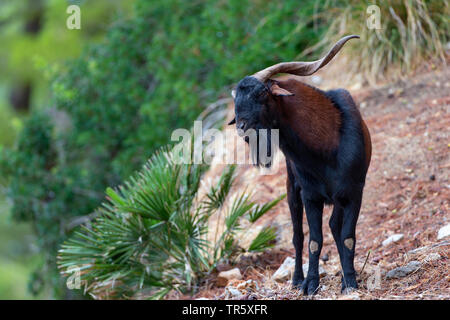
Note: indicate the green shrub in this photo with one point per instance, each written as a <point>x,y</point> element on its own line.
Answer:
<point>152,234</point>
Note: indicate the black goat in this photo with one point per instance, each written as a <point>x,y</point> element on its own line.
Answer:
<point>327,148</point>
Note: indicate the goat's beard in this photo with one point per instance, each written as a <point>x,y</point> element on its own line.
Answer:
<point>262,151</point>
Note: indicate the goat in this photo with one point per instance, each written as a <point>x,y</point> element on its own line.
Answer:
<point>327,149</point>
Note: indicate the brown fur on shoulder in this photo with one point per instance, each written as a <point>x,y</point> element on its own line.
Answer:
<point>311,115</point>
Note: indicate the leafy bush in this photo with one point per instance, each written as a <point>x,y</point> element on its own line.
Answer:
<point>119,101</point>
<point>152,234</point>
<point>411,31</point>
<point>9,126</point>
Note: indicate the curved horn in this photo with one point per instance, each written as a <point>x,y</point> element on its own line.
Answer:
<point>302,68</point>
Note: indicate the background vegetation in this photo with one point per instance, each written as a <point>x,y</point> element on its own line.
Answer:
<point>410,32</point>
<point>34,44</point>
<point>125,87</point>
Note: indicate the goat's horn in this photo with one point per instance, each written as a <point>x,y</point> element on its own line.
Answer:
<point>302,68</point>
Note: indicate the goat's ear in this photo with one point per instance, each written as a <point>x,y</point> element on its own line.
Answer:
<point>278,91</point>
<point>233,93</point>
<point>232,122</point>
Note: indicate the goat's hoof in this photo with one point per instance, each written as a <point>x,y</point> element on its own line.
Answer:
<point>348,285</point>
<point>297,282</point>
<point>310,286</point>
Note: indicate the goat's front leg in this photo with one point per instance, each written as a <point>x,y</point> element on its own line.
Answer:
<point>348,243</point>
<point>314,210</point>
<point>296,209</point>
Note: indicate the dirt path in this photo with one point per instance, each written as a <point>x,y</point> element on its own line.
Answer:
<point>407,192</point>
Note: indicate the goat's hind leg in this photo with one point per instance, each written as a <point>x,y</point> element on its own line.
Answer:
<point>348,243</point>
<point>314,210</point>
<point>296,209</point>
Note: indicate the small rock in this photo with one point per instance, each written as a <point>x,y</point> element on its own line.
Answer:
<point>285,271</point>
<point>432,257</point>
<point>241,290</point>
<point>244,286</point>
<point>444,232</point>
<point>225,276</point>
<point>233,293</point>
<point>322,271</point>
<point>383,205</point>
<point>392,239</point>
<point>401,272</point>
<point>432,177</point>
<point>436,245</point>
<point>417,250</point>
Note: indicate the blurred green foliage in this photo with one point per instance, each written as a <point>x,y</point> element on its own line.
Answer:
<point>25,54</point>
<point>17,257</point>
<point>120,100</point>
<point>34,55</point>
<point>10,124</point>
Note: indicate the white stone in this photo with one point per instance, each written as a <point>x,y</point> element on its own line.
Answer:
<point>234,293</point>
<point>285,271</point>
<point>434,256</point>
<point>393,238</point>
<point>225,276</point>
<point>305,268</point>
<point>444,232</point>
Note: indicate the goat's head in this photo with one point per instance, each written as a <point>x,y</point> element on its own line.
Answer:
<point>254,101</point>
<point>255,96</point>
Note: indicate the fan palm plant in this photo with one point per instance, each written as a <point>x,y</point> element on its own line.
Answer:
<point>151,236</point>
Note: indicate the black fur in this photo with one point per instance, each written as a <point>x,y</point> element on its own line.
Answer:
<point>250,103</point>
<point>336,177</point>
